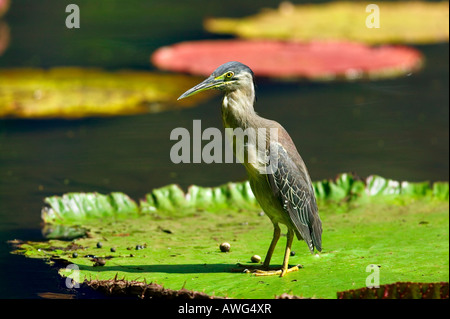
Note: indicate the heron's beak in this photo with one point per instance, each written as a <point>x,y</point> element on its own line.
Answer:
<point>209,83</point>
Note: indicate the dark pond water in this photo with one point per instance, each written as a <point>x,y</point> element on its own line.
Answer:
<point>397,129</point>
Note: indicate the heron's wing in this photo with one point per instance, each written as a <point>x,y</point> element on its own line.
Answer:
<point>291,184</point>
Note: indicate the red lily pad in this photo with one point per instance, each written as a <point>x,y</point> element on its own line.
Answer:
<point>4,6</point>
<point>313,60</point>
<point>4,37</point>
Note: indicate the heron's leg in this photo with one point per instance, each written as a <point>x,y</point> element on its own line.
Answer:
<point>285,267</point>
<point>287,253</point>
<point>276,236</point>
<point>273,244</point>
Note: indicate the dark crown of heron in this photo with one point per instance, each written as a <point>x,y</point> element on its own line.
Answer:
<point>235,76</point>
<point>234,68</point>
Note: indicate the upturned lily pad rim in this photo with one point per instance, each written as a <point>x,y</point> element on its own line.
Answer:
<point>72,208</point>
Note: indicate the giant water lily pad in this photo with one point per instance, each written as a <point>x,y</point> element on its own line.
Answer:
<point>400,22</point>
<point>319,61</point>
<point>75,92</point>
<point>170,240</point>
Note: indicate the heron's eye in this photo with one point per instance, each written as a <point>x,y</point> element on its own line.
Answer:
<point>229,75</point>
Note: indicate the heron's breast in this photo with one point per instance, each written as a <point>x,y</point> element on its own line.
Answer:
<point>267,200</point>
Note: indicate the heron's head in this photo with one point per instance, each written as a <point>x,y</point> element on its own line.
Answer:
<point>228,77</point>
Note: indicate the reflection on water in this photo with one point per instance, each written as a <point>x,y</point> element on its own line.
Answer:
<point>397,129</point>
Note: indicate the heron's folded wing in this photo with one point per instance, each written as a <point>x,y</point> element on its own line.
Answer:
<point>290,183</point>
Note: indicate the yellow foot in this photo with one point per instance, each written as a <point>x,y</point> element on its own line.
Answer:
<point>279,272</point>
<point>261,270</point>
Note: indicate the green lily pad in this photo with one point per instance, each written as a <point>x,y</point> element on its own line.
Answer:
<point>400,22</point>
<point>170,240</point>
<point>76,92</point>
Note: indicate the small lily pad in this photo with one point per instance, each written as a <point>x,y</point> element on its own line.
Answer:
<point>75,92</point>
<point>315,61</point>
<point>415,22</point>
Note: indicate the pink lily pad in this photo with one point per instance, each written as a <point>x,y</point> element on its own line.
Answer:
<point>313,60</point>
<point>4,6</point>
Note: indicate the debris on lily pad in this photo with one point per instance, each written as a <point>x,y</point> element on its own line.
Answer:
<point>317,61</point>
<point>72,93</point>
<point>225,247</point>
<point>414,22</point>
<point>256,259</point>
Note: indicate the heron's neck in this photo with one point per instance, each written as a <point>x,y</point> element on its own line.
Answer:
<point>237,108</point>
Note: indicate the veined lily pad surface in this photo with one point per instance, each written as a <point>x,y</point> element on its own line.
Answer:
<point>415,22</point>
<point>317,61</point>
<point>76,92</point>
<point>171,238</point>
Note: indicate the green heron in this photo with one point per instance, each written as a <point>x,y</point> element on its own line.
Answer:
<point>285,193</point>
